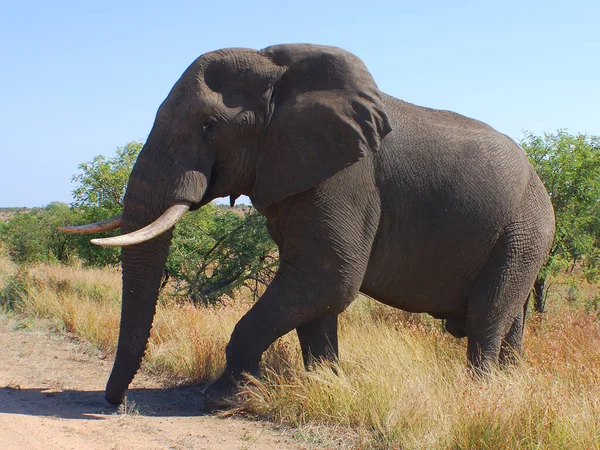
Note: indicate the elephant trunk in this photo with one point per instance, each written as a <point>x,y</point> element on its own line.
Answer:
<point>143,263</point>
<point>143,267</point>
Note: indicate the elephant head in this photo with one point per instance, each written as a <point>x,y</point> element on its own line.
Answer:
<point>268,124</point>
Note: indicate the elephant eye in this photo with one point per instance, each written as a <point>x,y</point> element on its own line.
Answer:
<point>208,127</point>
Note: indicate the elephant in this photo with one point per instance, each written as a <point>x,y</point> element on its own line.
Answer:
<point>421,209</point>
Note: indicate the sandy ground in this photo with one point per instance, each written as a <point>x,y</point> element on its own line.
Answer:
<point>52,397</point>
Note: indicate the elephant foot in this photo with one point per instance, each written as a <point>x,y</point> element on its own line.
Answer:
<point>221,393</point>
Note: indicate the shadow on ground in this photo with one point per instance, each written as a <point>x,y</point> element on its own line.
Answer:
<point>71,404</point>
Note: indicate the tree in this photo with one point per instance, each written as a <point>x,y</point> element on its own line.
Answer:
<point>99,195</point>
<point>213,251</point>
<point>216,251</point>
<point>102,182</point>
<point>569,166</point>
<point>33,236</point>
<point>61,245</point>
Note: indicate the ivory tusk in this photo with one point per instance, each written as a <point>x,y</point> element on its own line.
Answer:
<point>156,228</point>
<point>106,225</point>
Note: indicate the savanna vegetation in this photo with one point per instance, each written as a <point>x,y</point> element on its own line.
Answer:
<point>569,166</point>
<point>401,381</point>
<point>215,250</point>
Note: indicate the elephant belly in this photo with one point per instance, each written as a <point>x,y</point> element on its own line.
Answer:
<point>412,294</point>
<point>426,272</point>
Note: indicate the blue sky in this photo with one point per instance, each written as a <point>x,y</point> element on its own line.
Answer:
<point>78,79</point>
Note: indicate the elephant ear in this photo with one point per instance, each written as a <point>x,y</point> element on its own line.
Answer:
<point>326,114</point>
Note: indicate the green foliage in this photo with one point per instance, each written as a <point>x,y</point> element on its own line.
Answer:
<point>214,249</point>
<point>214,254</point>
<point>193,237</point>
<point>32,236</point>
<point>244,255</point>
<point>569,166</point>
<point>90,254</point>
<point>102,182</point>
<point>99,196</point>
<point>14,288</point>
<point>25,239</point>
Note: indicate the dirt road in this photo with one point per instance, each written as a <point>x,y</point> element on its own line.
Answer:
<point>51,397</point>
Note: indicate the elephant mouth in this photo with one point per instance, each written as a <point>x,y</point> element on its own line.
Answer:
<point>167,220</point>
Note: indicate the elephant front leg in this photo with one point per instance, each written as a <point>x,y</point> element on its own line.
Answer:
<point>306,296</point>
<point>285,306</point>
<point>325,239</point>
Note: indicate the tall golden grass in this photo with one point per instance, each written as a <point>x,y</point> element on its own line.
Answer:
<point>401,381</point>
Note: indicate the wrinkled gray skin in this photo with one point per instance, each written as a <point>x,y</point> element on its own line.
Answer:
<point>423,210</point>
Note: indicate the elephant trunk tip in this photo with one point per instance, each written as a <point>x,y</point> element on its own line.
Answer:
<point>114,398</point>
<point>117,385</point>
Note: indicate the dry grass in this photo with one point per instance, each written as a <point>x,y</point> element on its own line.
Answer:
<point>397,387</point>
<point>401,382</point>
<point>84,302</point>
<point>188,342</point>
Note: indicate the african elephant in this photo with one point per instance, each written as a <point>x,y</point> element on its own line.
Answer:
<point>422,209</point>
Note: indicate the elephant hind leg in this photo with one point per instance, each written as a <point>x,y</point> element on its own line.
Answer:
<point>511,348</point>
<point>319,340</point>
<point>496,299</point>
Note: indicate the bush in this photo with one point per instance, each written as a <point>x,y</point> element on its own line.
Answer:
<point>569,166</point>
<point>214,250</point>
<point>216,253</point>
<point>32,236</point>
